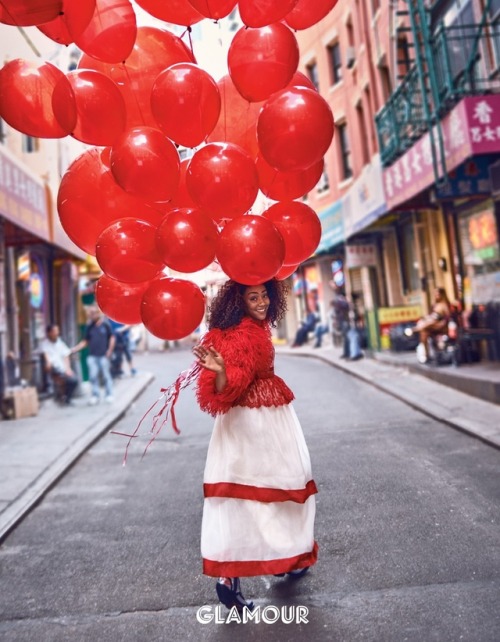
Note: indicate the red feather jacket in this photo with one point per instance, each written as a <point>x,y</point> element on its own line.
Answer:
<point>249,358</point>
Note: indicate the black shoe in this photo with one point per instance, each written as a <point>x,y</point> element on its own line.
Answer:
<point>299,573</point>
<point>231,595</point>
<point>279,575</point>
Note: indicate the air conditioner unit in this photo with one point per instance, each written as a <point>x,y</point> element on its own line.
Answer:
<point>350,57</point>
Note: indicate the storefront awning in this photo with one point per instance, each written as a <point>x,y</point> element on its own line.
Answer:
<point>22,197</point>
<point>332,227</point>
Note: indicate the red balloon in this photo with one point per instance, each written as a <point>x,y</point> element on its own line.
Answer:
<point>295,129</point>
<point>185,102</point>
<point>26,91</point>
<point>154,51</point>
<point>89,200</point>
<point>182,197</point>
<point>264,12</point>
<point>262,61</point>
<point>172,308</point>
<point>300,228</point>
<point>111,32</point>
<point>100,108</point>
<point>301,80</point>
<point>287,186</point>
<point>120,301</point>
<point>146,163</point>
<point>186,240</point>
<point>223,180</point>
<point>250,249</point>
<point>214,9</point>
<point>307,13</point>
<point>177,12</point>
<point>126,251</point>
<point>26,13</point>
<point>286,271</point>
<point>70,23</point>
<point>238,119</point>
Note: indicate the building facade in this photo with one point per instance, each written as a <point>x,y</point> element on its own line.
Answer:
<point>410,203</point>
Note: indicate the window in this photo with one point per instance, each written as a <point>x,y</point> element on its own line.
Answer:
<point>365,154</point>
<point>375,6</point>
<point>345,151</point>
<point>30,144</point>
<point>385,77</point>
<point>404,61</point>
<point>335,63</point>
<point>323,184</point>
<point>312,73</point>
<point>495,27</point>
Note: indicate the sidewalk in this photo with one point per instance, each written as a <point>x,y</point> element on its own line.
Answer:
<point>36,451</point>
<point>437,392</point>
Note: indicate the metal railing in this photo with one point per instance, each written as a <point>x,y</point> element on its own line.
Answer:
<point>465,60</point>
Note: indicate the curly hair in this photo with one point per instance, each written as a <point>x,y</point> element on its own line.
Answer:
<point>228,307</point>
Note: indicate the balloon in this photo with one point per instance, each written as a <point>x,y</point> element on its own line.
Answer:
<point>172,308</point>
<point>222,180</point>
<point>100,108</point>
<point>25,13</point>
<point>214,9</point>
<point>238,119</point>
<point>177,12</point>
<point>154,51</point>
<point>146,163</point>
<point>111,32</point>
<point>120,301</point>
<point>126,251</point>
<point>262,61</point>
<point>185,102</point>
<point>182,198</point>
<point>301,80</point>
<point>295,129</point>
<point>71,22</point>
<point>287,186</point>
<point>286,271</point>
<point>264,12</point>
<point>250,249</point>
<point>186,240</point>
<point>89,200</point>
<point>300,228</point>
<point>307,13</point>
<point>26,90</point>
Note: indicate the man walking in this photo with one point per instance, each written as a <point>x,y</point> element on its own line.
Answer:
<point>100,340</point>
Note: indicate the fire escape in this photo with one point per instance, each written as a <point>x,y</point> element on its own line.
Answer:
<point>450,56</point>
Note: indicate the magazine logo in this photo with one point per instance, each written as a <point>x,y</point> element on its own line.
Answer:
<point>293,614</point>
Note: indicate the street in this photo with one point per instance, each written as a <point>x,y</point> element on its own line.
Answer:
<point>407,524</point>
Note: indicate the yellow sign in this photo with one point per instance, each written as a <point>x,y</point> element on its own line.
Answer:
<point>401,314</point>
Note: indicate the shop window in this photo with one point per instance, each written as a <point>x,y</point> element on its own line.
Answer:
<point>312,73</point>
<point>335,59</point>
<point>409,261</point>
<point>479,240</point>
<point>345,151</point>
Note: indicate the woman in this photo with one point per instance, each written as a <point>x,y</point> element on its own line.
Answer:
<point>259,508</point>
<point>434,323</point>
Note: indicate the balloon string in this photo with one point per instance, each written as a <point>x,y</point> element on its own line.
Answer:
<point>170,395</point>
<point>130,84</point>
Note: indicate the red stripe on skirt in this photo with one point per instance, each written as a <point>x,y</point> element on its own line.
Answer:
<point>263,567</point>
<point>259,494</point>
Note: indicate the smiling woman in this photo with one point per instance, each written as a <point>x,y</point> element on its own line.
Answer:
<point>259,509</point>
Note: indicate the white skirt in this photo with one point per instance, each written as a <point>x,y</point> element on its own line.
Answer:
<point>258,515</point>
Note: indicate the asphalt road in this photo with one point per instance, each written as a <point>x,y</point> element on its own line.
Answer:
<point>408,516</point>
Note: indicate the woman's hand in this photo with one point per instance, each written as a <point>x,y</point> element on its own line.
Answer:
<point>209,358</point>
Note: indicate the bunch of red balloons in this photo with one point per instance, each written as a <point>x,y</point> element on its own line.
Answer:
<point>138,94</point>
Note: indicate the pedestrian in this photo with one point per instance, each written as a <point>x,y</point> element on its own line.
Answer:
<point>122,348</point>
<point>307,325</point>
<point>259,507</point>
<point>56,356</point>
<point>100,340</point>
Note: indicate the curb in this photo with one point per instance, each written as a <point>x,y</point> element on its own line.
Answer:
<point>486,431</point>
<point>35,492</point>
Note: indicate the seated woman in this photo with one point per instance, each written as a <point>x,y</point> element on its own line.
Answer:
<point>434,323</point>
